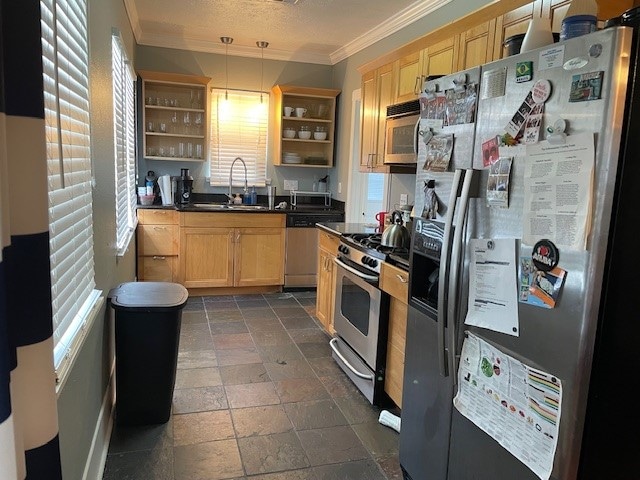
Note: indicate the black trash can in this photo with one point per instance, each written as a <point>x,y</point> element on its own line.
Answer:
<point>147,333</point>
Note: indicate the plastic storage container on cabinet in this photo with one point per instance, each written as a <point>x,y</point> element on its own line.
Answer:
<point>147,331</point>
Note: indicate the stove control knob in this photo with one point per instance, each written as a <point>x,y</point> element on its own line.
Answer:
<point>371,262</point>
<point>343,249</point>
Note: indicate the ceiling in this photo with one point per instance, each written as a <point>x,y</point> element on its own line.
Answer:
<point>313,31</point>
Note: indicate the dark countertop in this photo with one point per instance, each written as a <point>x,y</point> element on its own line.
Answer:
<point>310,209</point>
<point>339,228</point>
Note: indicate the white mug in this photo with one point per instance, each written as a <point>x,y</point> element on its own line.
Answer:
<point>300,112</point>
<point>288,111</point>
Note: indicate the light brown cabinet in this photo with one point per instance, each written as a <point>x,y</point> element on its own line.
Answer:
<point>377,94</point>
<point>219,250</point>
<point>317,117</point>
<point>157,245</point>
<point>395,282</point>
<point>326,285</point>
<point>440,58</point>
<point>476,45</point>
<point>174,116</point>
<point>408,77</point>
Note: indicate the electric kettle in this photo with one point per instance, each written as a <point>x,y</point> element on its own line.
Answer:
<point>396,235</point>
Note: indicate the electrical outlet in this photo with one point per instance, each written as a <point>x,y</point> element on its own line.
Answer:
<point>291,184</point>
<point>404,198</point>
<point>339,187</point>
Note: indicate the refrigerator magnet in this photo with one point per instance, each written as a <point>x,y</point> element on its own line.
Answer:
<point>586,87</point>
<point>539,288</point>
<point>524,72</point>
<point>545,255</point>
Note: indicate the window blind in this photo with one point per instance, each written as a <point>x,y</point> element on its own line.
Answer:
<point>238,129</point>
<point>124,144</point>
<point>66,94</point>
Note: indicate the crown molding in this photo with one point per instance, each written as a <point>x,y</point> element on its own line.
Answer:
<point>414,12</point>
<point>407,16</point>
<point>200,45</point>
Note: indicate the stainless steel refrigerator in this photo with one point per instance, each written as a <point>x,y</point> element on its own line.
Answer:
<point>588,341</point>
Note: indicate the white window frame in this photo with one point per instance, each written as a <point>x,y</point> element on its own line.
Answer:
<point>239,128</point>
<point>124,126</point>
<point>65,55</point>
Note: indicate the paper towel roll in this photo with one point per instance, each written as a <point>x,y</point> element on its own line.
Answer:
<point>165,189</point>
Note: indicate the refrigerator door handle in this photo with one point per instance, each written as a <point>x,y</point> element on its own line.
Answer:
<point>443,360</point>
<point>454,273</point>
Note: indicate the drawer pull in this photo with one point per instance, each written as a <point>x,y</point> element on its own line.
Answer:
<point>159,228</point>
<point>401,278</point>
<point>157,257</point>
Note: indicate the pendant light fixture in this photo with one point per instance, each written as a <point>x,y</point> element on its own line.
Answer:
<point>262,45</point>
<point>227,41</point>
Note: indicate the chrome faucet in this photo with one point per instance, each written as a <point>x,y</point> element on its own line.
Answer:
<point>246,189</point>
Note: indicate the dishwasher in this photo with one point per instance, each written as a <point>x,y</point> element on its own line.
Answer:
<point>301,251</point>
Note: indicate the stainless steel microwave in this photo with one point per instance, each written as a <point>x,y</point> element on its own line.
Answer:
<point>401,136</point>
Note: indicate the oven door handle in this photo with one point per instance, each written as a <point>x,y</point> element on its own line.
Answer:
<point>332,344</point>
<point>364,276</point>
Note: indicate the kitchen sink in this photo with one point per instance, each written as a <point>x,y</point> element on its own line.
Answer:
<point>227,206</point>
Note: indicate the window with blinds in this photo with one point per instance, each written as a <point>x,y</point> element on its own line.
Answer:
<point>66,93</point>
<point>124,141</point>
<point>239,121</point>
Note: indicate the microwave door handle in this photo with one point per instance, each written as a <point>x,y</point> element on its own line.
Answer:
<point>454,274</point>
<point>443,361</point>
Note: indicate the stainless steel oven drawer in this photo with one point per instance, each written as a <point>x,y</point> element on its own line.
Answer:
<point>351,363</point>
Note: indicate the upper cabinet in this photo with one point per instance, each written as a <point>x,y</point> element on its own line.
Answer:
<point>175,116</point>
<point>304,126</point>
<point>477,45</point>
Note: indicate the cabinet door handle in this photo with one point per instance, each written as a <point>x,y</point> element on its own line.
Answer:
<point>238,236</point>
<point>416,86</point>
<point>401,278</point>
<point>159,228</point>
<point>231,237</point>
<point>158,257</point>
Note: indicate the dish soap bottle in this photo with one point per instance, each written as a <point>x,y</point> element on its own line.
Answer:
<point>253,196</point>
<point>581,18</point>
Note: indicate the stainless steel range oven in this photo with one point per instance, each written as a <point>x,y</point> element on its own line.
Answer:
<point>361,313</point>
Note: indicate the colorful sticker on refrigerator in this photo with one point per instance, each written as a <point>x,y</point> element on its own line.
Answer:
<point>494,83</point>
<point>586,87</point>
<point>439,151</point>
<point>539,288</point>
<point>493,295</point>
<point>498,183</point>
<point>517,405</point>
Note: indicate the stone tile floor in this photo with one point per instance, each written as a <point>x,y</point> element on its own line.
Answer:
<point>257,396</point>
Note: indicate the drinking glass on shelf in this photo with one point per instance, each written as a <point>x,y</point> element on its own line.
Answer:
<point>150,127</point>
<point>198,123</point>
<point>199,150</point>
<point>174,122</point>
<point>172,151</point>
<point>190,150</point>
<point>181,150</point>
<point>187,123</point>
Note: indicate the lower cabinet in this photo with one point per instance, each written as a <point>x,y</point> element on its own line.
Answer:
<point>219,250</point>
<point>395,282</point>
<point>157,243</point>
<point>325,294</point>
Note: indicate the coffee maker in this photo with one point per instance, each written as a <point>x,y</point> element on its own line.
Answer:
<point>184,186</point>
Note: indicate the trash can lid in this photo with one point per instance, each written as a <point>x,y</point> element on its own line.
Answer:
<point>148,295</point>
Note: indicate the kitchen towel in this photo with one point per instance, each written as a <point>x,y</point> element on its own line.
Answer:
<point>165,189</point>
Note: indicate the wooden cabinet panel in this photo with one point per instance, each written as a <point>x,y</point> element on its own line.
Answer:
<point>218,250</point>
<point>476,45</point>
<point>326,284</point>
<point>158,245</point>
<point>441,58</point>
<point>157,268</point>
<point>395,282</point>
<point>259,257</point>
<point>408,78</point>
<point>377,94</point>
<point>513,23</point>
<point>207,257</point>
<point>394,372</point>
<point>158,240</point>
